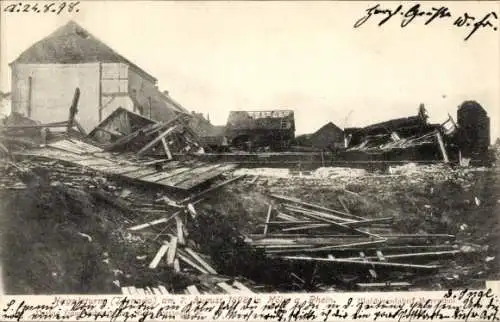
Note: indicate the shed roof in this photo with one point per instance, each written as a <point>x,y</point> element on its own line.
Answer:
<point>72,44</point>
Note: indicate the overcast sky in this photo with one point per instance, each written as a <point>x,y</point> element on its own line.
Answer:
<point>214,57</point>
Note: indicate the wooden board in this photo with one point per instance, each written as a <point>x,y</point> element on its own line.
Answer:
<point>242,287</point>
<point>181,177</point>
<point>201,261</point>
<point>140,173</point>
<point>159,255</point>
<point>175,180</point>
<point>169,173</point>
<point>228,288</point>
<point>172,251</point>
<point>95,162</point>
<point>192,290</point>
<point>122,170</point>
<point>163,290</point>
<point>196,180</point>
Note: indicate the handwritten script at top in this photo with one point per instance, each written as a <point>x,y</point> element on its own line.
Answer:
<point>461,305</point>
<point>416,12</point>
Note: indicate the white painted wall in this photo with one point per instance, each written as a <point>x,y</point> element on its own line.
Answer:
<point>53,87</point>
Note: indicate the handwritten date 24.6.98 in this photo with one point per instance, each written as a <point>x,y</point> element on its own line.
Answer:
<point>416,12</point>
<point>54,7</point>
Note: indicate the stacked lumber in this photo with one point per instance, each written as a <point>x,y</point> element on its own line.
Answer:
<point>299,231</point>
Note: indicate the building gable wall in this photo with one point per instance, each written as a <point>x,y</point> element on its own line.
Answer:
<point>44,92</point>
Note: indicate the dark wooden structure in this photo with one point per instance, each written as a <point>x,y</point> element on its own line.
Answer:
<point>474,130</point>
<point>250,130</point>
<point>329,137</point>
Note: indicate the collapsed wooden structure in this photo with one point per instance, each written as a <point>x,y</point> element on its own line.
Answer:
<point>174,175</point>
<point>298,231</point>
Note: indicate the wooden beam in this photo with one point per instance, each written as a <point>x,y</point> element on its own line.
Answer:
<point>154,222</point>
<point>296,222</point>
<point>411,255</point>
<point>442,147</point>
<point>340,225</point>
<point>297,201</point>
<point>332,247</point>
<point>180,230</point>
<point>269,211</point>
<point>312,226</point>
<point>156,140</point>
<point>191,263</point>
<point>368,221</point>
<point>177,266</point>
<point>163,289</point>
<point>242,287</point>
<point>301,210</point>
<point>156,291</point>
<point>200,260</point>
<point>192,290</point>
<point>361,263</point>
<point>386,284</point>
<point>172,249</point>
<point>73,110</point>
<point>167,150</point>
<point>284,216</point>
<point>156,260</point>
<point>192,210</point>
<point>228,288</point>
<point>79,127</point>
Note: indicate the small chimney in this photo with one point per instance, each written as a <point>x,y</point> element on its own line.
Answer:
<point>165,92</point>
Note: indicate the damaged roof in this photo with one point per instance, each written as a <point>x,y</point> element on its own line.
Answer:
<point>72,44</point>
<point>269,120</point>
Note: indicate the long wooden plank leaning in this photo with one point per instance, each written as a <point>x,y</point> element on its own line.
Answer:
<point>200,260</point>
<point>156,260</point>
<point>156,140</point>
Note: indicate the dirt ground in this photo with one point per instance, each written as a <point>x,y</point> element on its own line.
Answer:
<point>66,239</point>
<point>436,199</point>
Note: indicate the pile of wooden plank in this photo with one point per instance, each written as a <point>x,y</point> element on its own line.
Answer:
<point>298,231</point>
<point>174,252</point>
<point>223,287</point>
<point>162,138</point>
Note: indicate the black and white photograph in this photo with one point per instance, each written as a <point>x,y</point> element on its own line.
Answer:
<point>249,147</point>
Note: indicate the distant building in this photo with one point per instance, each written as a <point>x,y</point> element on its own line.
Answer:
<point>252,129</point>
<point>44,78</point>
<point>328,137</point>
<point>212,137</point>
<point>474,129</point>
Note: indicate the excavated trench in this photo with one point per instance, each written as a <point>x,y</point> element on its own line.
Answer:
<point>62,239</point>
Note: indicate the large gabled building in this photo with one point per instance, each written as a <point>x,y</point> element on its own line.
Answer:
<point>45,76</point>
